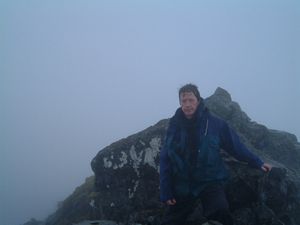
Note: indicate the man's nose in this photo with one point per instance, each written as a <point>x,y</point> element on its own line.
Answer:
<point>188,103</point>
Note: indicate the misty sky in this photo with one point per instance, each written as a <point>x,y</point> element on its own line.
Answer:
<point>77,75</point>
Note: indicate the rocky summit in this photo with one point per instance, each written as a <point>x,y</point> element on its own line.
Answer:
<point>125,188</point>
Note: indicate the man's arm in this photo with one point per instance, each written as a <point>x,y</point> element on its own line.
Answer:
<point>231,143</point>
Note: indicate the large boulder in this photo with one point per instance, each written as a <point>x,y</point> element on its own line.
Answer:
<point>125,188</point>
<point>277,145</point>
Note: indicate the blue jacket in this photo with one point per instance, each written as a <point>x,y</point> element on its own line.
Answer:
<point>179,177</point>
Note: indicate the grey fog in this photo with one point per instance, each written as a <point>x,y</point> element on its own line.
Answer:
<point>76,76</point>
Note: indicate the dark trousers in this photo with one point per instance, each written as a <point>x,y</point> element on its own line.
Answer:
<point>214,203</point>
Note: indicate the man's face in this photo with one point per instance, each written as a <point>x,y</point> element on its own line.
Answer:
<point>188,103</point>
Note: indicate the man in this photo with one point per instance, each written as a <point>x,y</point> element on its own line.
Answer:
<point>191,167</point>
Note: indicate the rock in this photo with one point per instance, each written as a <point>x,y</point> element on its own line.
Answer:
<point>278,145</point>
<point>96,222</point>
<point>33,221</point>
<point>125,188</point>
<point>136,161</point>
<point>77,207</point>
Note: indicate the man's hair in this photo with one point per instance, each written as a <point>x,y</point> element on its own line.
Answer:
<point>189,88</point>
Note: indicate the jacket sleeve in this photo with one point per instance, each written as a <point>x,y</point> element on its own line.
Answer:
<point>231,143</point>
<point>166,192</point>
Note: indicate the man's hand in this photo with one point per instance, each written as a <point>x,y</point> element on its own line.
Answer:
<point>171,201</point>
<point>266,167</point>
